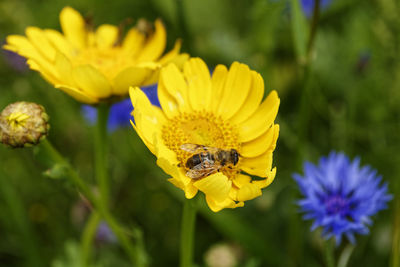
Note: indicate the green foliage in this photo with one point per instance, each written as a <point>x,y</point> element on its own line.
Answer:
<point>351,105</point>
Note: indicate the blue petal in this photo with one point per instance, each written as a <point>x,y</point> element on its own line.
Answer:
<point>339,195</point>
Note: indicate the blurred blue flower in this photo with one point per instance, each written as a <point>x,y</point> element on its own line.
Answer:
<point>340,196</point>
<point>15,61</point>
<point>104,234</point>
<point>308,6</point>
<point>120,112</point>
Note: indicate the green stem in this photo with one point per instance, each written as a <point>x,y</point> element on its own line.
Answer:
<point>395,261</point>
<point>187,234</point>
<point>101,152</point>
<point>71,174</point>
<point>134,254</point>
<point>345,256</point>
<point>314,26</point>
<point>88,236</point>
<point>329,253</point>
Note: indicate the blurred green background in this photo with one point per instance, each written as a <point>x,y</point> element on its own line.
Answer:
<point>351,87</point>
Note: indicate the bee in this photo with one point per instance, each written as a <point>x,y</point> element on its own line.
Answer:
<point>208,160</point>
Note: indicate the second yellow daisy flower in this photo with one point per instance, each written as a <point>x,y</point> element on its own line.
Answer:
<point>93,66</point>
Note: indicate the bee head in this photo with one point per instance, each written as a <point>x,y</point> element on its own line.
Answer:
<point>234,156</point>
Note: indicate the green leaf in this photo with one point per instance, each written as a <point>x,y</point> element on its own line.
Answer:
<point>58,171</point>
<point>300,30</point>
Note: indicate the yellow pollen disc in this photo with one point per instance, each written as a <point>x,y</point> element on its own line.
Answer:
<point>109,61</point>
<point>17,119</point>
<point>200,128</point>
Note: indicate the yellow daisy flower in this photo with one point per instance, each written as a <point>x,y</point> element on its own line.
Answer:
<point>202,115</point>
<point>93,66</point>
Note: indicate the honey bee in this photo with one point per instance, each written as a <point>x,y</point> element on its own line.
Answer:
<point>208,160</point>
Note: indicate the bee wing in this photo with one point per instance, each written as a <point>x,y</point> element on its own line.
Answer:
<point>200,171</point>
<point>195,148</point>
<point>192,148</point>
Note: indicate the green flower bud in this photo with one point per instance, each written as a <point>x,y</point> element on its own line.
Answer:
<point>23,124</point>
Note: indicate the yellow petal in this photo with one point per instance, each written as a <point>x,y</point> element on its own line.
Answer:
<point>106,36</point>
<point>149,144</point>
<point>216,206</point>
<point>148,118</point>
<point>276,135</point>
<point>39,40</point>
<point>21,45</point>
<point>133,41</point>
<point>252,101</point>
<point>198,78</point>
<point>46,75</point>
<point>77,94</point>
<point>59,42</point>
<point>261,144</point>
<point>167,102</point>
<point>74,27</point>
<point>190,191</point>
<point>90,39</point>
<point>248,191</point>
<point>91,81</point>
<point>259,166</point>
<point>172,81</point>
<point>64,69</point>
<point>155,46</point>
<point>218,82</point>
<point>241,180</point>
<point>216,186</point>
<point>132,76</point>
<point>233,193</point>
<point>171,55</point>
<point>179,60</point>
<point>261,120</point>
<point>266,182</point>
<point>236,89</point>
<point>177,183</point>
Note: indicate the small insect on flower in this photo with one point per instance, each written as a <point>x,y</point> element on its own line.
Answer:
<point>208,160</point>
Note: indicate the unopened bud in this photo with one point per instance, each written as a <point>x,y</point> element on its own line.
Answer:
<point>23,124</point>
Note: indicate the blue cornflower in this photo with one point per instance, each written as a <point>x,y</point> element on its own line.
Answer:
<point>341,196</point>
<point>15,61</point>
<point>120,112</point>
<point>308,6</point>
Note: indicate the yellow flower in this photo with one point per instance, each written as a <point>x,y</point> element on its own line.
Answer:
<point>93,66</point>
<point>223,111</point>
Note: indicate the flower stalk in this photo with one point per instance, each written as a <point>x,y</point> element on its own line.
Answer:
<point>187,233</point>
<point>101,152</point>
<point>329,251</point>
<point>134,254</point>
<point>88,236</point>
<point>345,255</point>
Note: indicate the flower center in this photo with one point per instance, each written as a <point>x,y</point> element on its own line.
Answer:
<point>17,120</point>
<point>108,60</point>
<point>336,204</point>
<point>201,128</point>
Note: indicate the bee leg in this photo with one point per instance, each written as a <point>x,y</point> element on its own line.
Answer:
<point>230,167</point>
